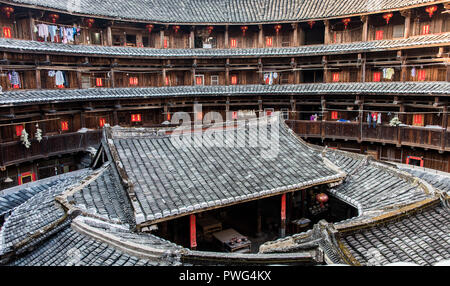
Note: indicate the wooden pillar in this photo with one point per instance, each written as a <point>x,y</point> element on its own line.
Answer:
<point>404,72</point>
<point>194,66</point>
<point>360,104</point>
<point>295,42</point>
<point>301,36</point>
<point>83,119</point>
<point>293,114</point>
<point>415,27</point>
<point>109,40</point>
<point>193,232</point>
<point>79,79</point>
<point>260,106</point>
<point>293,64</point>
<point>164,73</point>
<point>362,59</point>
<point>407,15</point>
<point>227,42</point>
<point>283,216</point>
<point>260,37</point>
<point>139,41</point>
<point>327,32</point>
<point>260,71</point>
<point>444,126</point>
<point>323,102</point>
<point>227,72</point>
<point>365,30</point>
<point>38,79</point>
<point>325,69</point>
<point>161,38</point>
<point>31,20</point>
<point>192,38</point>
<point>113,78</point>
<point>402,118</point>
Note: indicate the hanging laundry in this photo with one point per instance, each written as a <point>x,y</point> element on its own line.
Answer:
<point>51,73</point>
<point>413,72</point>
<point>379,119</point>
<point>14,79</point>
<point>59,78</point>
<point>388,73</point>
<point>52,31</point>
<point>42,31</point>
<point>69,32</point>
<point>369,119</point>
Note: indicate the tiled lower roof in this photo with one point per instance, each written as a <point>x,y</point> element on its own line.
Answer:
<point>221,11</point>
<point>376,88</point>
<point>169,181</point>
<point>15,196</point>
<point>422,238</point>
<point>25,46</point>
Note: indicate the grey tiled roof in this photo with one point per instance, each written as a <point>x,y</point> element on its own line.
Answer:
<point>15,196</point>
<point>69,247</point>
<point>436,179</point>
<point>105,197</point>
<point>378,88</point>
<point>170,180</point>
<point>33,215</point>
<point>25,46</point>
<point>423,238</point>
<point>220,11</point>
<point>371,186</point>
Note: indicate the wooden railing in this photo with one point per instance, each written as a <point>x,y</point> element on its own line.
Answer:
<point>15,152</point>
<point>438,139</point>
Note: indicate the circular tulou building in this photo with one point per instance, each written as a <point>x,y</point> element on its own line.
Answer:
<point>231,132</point>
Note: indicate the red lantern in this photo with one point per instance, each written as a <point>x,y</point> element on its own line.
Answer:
<point>54,17</point>
<point>346,21</point>
<point>90,22</point>
<point>8,10</point>
<point>311,24</point>
<point>387,17</point>
<point>176,28</point>
<point>149,27</point>
<point>322,198</point>
<point>244,29</point>
<point>210,29</point>
<point>277,28</point>
<point>431,9</point>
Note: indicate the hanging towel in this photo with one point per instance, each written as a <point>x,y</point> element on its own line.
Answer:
<point>379,119</point>
<point>413,72</point>
<point>59,78</point>
<point>389,73</point>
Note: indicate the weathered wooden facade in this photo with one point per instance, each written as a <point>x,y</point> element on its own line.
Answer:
<point>391,62</point>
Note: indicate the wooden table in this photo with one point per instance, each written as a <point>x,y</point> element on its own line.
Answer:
<point>232,241</point>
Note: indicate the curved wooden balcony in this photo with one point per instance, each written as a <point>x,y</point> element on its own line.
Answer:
<point>15,152</point>
<point>428,138</point>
